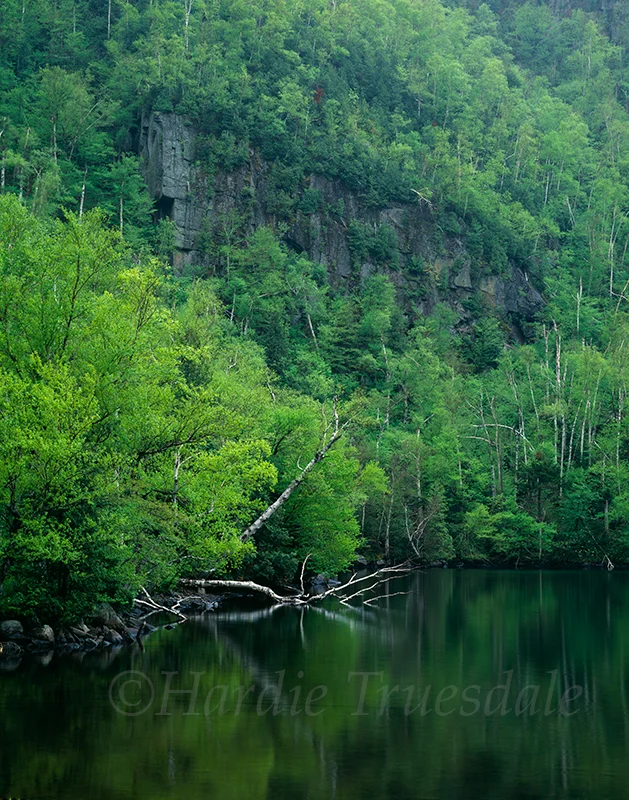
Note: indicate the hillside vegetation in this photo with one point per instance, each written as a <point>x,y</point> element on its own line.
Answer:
<point>147,418</point>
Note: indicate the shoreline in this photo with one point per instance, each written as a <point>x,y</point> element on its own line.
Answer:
<point>107,628</point>
<point>104,630</point>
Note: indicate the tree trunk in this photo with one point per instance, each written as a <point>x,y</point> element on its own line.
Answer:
<point>277,504</point>
<point>302,598</point>
<point>387,538</point>
<point>254,587</point>
<point>82,202</point>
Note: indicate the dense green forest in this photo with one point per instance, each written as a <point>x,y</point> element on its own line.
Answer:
<point>148,415</point>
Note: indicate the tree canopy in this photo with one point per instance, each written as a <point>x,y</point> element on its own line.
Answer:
<point>148,417</point>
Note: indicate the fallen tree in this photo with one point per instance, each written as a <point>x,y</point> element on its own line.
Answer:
<point>344,592</point>
<point>356,586</point>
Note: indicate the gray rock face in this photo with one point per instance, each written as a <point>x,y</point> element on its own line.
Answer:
<point>464,279</point>
<point>167,147</point>
<point>514,295</point>
<point>425,263</point>
<point>10,629</point>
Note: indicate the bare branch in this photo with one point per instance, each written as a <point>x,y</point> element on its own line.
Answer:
<point>250,585</point>
<point>378,577</point>
<point>397,571</point>
<point>303,567</point>
<point>156,607</point>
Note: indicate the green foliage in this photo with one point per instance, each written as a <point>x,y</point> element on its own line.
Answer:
<point>487,344</point>
<point>140,434</point>
<point>147,419</point>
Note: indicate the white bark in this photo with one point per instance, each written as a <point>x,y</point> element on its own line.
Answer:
<point>301,598</point>
<point>254,587</point>
<point>277,504</point>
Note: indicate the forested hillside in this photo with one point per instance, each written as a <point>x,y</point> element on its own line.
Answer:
<point>149,414</point>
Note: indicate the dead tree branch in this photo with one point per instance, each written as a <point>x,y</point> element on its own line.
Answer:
<point>303,598</point>
<point>156,607</point>
<point>245,586</point>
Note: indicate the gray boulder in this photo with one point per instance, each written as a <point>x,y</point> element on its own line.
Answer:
<point>113,637</point>
<point>105,615</point>
<point>10,629</point>
<point>10,650</point>
<point>80,629</point>
<point>44,634</point>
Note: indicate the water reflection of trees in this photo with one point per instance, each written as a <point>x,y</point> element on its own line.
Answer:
<point>60,736</point>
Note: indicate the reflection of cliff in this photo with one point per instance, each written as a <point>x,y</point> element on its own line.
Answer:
<point>332,226</point>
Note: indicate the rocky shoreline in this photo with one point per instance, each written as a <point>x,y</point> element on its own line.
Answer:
<point>104,628</point>
<point>108,628</point>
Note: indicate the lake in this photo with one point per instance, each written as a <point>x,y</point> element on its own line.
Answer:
<point>471,684</point>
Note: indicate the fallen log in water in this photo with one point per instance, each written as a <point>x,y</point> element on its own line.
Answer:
<point>301,597</point>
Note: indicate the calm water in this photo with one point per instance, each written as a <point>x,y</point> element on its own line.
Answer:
<point>317,724</point>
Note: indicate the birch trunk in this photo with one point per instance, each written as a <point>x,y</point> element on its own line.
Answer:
<point>277,504</point>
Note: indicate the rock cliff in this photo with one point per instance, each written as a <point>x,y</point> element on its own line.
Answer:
<point>328,223</point>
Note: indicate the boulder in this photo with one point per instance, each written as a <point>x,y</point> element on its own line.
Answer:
<point>10,650</point>
<point>105,615</point>
<point>10,629</point>
<point>113,637</point>
<point>319,584</point>
<point>80,630</point>
<point>44,634</point>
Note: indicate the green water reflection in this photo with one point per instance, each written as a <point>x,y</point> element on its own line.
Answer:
<point>61,737</point>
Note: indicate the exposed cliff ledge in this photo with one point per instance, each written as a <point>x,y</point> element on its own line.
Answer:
<point>167,147</point>
<point>333,226</point>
